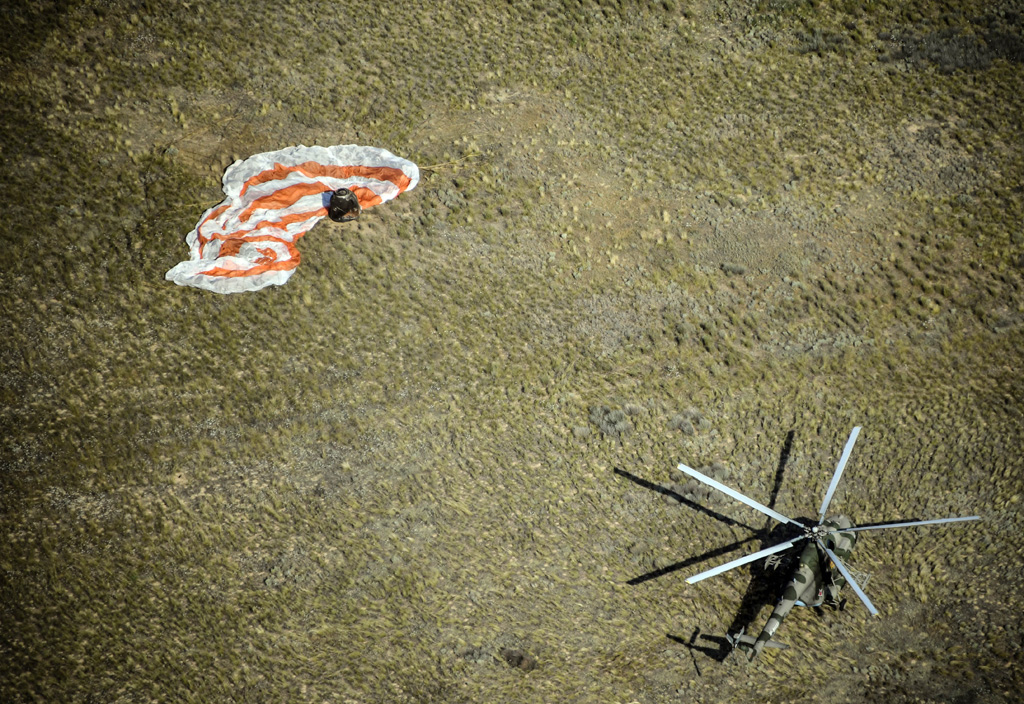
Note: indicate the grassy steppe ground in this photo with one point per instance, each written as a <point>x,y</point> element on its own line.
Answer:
<point>651,233</point>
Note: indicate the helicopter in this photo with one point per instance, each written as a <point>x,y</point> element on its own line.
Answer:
<point>819,574</point>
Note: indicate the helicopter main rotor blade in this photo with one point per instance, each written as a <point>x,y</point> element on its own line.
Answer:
<point>849,578</point>
<point>838,473</point>
<point>743,560</point>
<point>737,495</point>
<point>933,521</point>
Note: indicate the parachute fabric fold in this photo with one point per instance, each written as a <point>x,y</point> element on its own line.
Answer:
<point>247,242</point>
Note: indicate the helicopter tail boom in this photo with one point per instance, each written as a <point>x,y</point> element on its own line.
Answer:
<point>739,639</point>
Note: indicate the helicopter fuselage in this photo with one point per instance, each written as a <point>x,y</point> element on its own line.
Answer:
<point>815,579</point>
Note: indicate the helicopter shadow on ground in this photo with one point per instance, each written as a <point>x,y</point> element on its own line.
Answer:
<point>719,651</point>
<point>768,577</point>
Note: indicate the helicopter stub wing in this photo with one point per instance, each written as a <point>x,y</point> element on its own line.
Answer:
<point>743,560</point>
<point>849,578</point>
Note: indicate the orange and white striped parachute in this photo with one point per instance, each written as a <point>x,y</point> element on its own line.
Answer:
<point>248,241</point>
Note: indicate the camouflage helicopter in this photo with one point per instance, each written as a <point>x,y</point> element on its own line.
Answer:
<point>819,574</point>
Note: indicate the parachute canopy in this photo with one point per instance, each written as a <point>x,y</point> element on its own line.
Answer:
<point>248,241</point>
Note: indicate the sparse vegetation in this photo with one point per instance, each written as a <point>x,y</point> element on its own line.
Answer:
<point>612,423</point>
<point>392,479</point>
